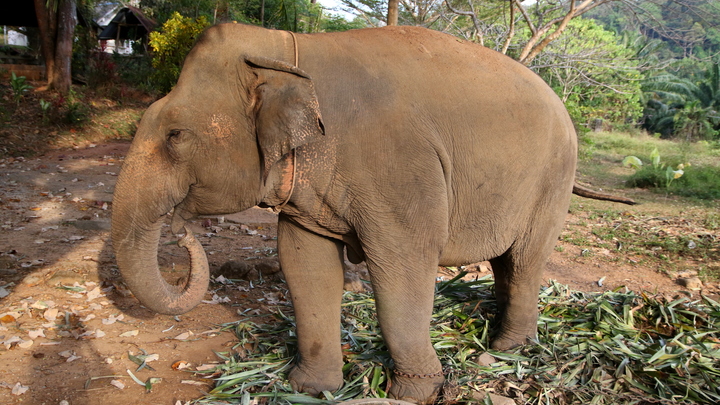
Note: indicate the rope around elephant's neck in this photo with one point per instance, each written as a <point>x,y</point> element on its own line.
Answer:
<point>293,162</point>
<point>295,47</point>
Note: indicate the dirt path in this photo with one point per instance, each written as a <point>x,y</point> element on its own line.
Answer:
<point>69,328</point>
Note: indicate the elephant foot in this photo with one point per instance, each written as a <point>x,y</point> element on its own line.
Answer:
<point>507,341</point>
<point>315,383</point>
<point>419,389</point>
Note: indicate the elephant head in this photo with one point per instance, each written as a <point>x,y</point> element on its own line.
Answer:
<point>218,143</point>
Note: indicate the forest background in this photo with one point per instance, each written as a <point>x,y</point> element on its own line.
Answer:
<point>617,64</point>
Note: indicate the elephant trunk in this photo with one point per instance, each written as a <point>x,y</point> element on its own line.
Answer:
<point>135,241</point>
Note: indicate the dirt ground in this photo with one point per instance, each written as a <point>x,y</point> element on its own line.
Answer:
<point>70,330</point>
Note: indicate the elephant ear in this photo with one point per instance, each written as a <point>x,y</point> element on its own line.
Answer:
<point>285,107</point>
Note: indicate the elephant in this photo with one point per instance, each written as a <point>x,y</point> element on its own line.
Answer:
<point>408,147</point>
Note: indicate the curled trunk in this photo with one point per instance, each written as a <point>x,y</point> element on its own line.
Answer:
<point>137,260</point>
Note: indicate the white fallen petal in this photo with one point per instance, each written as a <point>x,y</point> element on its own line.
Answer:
<point>72,358</point>
<point>3,292</point>
<point>99,333</point>
<point>130,333</point>
<point>66,353</point>
<point>19,389</point>
<point>25,344</point>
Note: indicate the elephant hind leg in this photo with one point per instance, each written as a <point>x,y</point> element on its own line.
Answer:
<point>516,304</point>
<point>518,276</point>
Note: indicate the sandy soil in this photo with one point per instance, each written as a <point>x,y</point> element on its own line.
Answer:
<point>70,328</point>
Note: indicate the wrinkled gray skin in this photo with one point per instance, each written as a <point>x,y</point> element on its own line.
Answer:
<point>410,147</point>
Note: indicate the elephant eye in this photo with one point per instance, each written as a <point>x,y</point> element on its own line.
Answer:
<point>174,135</point>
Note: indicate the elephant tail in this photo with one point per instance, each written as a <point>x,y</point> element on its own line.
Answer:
<point>588,193</point>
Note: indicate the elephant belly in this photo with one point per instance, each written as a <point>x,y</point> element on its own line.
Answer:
<point>470,246</point>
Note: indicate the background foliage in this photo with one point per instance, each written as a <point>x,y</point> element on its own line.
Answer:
<point>170,45</point>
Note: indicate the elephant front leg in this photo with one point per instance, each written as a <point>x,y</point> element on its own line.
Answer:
<point>404,297</point>
<point>312,266</point>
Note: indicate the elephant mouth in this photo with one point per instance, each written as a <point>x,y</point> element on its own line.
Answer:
<point>179,220</point>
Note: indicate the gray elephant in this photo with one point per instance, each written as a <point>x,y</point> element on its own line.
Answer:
<point>409,147</point>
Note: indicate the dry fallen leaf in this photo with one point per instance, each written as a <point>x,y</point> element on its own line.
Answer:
<point>180,365</point>
<point>51,314</point>
<point>192,382</point>
<point>42,304</point>
<point>206,367</point>
<point>19,389</point>
<point>13,340</point>
<point>34,334</point>
<point>94,293</point>
<point>87,318</point>
<point>130,333</point>
<point>112,319</point>
<point>7,319</point>
<point>152,357</point>
<point>117,384</point>
<point>69,355</point>
<point>183,336</point>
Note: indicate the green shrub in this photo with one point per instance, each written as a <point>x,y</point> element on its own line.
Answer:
<point>19,87</point>
<point>700,182</point>
<point>170,46</point>
<point>656,175</point>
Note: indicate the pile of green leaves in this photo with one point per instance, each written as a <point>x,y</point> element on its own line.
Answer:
<point>594,348</point>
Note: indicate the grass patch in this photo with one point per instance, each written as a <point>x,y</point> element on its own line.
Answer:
<point>602,155</point>
<point>600,348</point>
<point>617,145</point>
<point>667,240</point>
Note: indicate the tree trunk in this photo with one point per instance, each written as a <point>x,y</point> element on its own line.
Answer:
<point>392,15</point>
<point>57,32</point>
<point>66,17</point>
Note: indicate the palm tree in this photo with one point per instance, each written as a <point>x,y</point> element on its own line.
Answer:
<point>677,106</point>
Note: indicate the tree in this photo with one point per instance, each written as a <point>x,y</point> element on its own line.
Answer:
<point>392,15</point>
<point>679,106</point>
<point>593,72</point>
<point>56,20</point>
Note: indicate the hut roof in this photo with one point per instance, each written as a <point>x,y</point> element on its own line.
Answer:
<point>128,23</point>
